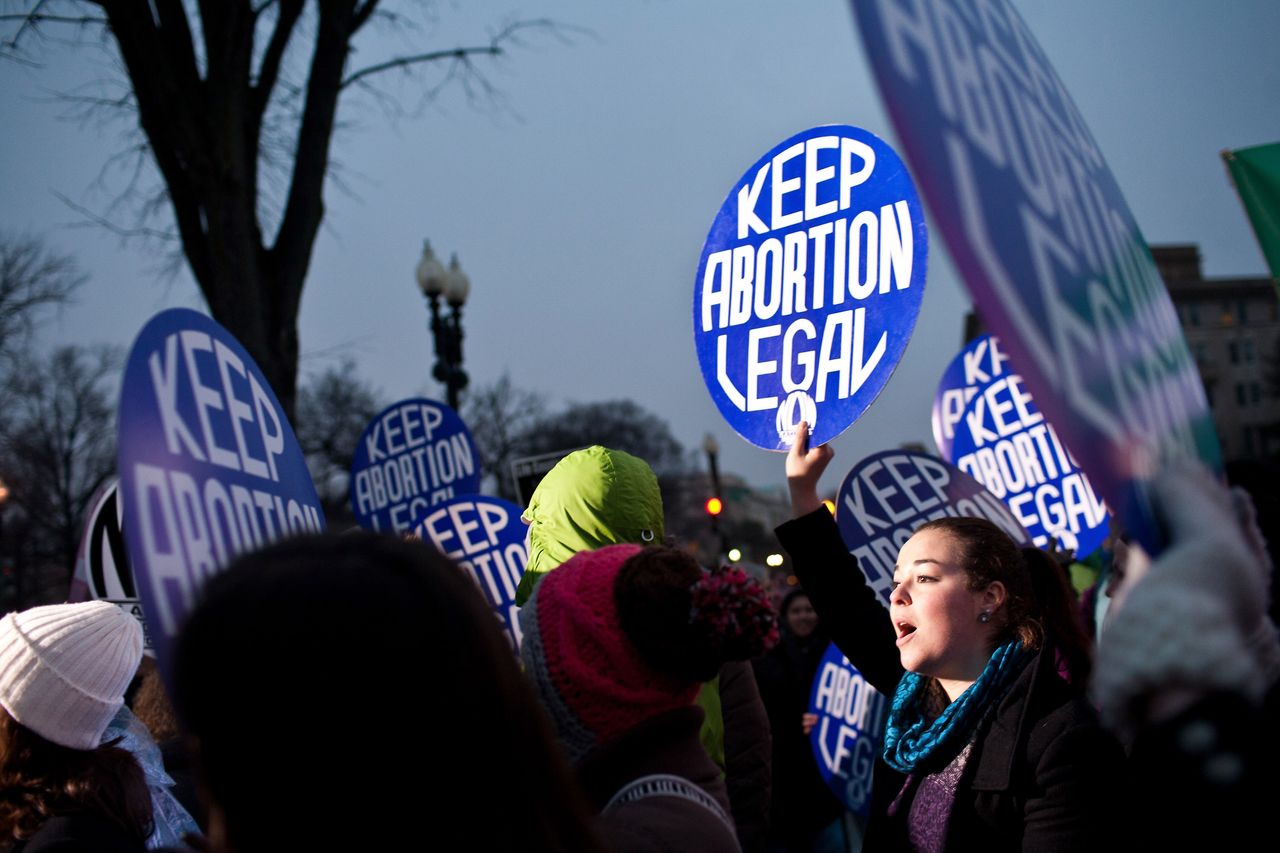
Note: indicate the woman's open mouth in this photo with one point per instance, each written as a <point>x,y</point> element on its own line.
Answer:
<point>905,632</point>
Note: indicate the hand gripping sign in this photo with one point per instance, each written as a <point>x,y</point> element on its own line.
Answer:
<point>209,465</point>
<point>413,455</point>
<point>885,497</point>
<point>809,285</point>
<point>846,739</point>
<point>1002,440</point>
<point>102,570</point>
<point>1042,235</point>
<point>485,536</point>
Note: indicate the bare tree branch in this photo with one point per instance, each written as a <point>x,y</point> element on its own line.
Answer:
<point>32,278</point>
<point>103,222</point>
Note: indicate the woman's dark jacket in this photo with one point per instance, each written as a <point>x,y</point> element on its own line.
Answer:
<point>1043,774</point>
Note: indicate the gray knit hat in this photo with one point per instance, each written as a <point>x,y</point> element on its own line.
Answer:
<point>64,668</point>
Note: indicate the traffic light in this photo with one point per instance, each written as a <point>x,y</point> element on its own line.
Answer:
<point>714,506</point>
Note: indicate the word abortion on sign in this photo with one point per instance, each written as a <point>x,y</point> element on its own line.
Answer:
<point>809,285</point>
<point>208,463</point>
<point>1043,238</point>
<point>885,497</point>
<point>485,536</point>
<point>1002,440</point>
<point>846,739</point>
<point>413,455</point>
<point>102,571</point>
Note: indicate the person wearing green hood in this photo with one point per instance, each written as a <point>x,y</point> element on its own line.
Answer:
<point>593,497</point>
<point>596,497</point>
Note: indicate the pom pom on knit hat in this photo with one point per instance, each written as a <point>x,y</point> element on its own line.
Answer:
<point>64,668</point>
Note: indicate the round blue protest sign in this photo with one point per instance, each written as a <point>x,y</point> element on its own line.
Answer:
<point>846,739</point>
<point>209,465</point>
<point>1004,442</point>
<point>412,456</point>
<point>1046,244</point>
<point>885,497</point>
<point>809,285</point>
<point>486,537</point>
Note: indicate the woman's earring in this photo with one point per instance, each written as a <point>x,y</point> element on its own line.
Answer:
<point>984,617</point>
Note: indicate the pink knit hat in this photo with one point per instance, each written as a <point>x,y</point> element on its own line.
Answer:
<point>591,678</point>
<point>64,668</point>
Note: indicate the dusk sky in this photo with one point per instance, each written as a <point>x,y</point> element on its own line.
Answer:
<point>579,209</point>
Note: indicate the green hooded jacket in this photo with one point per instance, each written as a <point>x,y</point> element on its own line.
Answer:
<point>592,498</point>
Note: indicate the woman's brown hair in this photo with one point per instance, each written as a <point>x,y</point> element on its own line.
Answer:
<point>40,779</point>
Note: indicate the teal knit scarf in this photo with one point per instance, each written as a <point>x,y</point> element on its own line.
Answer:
<point>910,738</point>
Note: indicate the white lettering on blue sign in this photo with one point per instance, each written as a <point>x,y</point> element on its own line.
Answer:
<point>200,444</point>
<point>815,298</point>
<point>485,537</point>
<point>190,531</point>
<point>413,455</point>
<point>851,716</point>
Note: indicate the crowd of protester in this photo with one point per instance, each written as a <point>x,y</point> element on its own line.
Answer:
<point>354,691</point>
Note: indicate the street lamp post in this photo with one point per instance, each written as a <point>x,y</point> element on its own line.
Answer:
<point>446,328</point>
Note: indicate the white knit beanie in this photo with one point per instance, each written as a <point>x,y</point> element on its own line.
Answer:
<point>64,668</point>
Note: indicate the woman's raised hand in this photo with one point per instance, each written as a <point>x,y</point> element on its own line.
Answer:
<point>805,465</point>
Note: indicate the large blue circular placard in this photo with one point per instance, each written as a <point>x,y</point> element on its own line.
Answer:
<point>209,465</point>
<point>809,285</point>
<point>415,454</point>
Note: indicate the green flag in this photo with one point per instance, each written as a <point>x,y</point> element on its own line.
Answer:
<point>1256,175</point>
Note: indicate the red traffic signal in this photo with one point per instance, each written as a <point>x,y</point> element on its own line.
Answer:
<point>714,506</point>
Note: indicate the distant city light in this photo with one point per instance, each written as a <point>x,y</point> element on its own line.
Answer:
<point>734,555</point>
<point>774,560</point>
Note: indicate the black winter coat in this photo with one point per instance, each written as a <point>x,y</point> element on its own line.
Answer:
<point>1043,774</point>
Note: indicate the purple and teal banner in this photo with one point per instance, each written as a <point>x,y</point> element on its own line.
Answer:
<point>1041,233</point>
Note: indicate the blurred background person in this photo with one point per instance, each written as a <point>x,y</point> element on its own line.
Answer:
<point>804,816</point>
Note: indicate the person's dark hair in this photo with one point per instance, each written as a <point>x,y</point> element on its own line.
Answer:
<point>687,623</point>
<point>987,554</point>
<point>302,675</point>
<point>40,779</point>
<point>1060,615</point>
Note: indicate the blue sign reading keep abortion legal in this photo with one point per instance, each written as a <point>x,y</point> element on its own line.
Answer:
<point>885,497</point>
<point>1002,440</point>
<point>1041,233</point>
<point>486,537</point>
<point>412,456</point>
<point>208,463</point>
<point>809,285</point>
<point>846,739</point>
